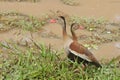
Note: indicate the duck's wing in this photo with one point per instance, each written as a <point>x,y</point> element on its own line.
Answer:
<point>82,52</point>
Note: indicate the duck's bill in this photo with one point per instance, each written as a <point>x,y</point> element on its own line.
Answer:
<point>53,21</point>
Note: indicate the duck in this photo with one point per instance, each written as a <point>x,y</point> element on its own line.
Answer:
<point>74,50</point>
<point>78,51</point>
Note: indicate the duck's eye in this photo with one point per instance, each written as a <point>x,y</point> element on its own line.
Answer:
<point>75,27</point>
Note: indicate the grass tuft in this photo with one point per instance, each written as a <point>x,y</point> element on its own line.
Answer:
<point>10,20</point>
<point>70,2</point>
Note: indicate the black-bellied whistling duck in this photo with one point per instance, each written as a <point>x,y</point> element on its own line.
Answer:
<point>79,51</point>
<point>74,50</point>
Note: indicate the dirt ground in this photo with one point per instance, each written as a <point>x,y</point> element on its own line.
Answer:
<point>97,8</point>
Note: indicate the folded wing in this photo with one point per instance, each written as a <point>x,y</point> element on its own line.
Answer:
<point>82,52</point>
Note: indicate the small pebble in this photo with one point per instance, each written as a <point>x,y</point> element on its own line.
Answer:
<point>117,45</point>
<point>24,41</point>
<point>108,32</point>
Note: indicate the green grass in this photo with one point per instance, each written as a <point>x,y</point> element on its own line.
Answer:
<point>41,63</point>
<point>10,20</point>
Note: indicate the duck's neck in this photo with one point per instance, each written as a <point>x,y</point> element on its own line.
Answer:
<point>65,36</point>
<point>74,35</point>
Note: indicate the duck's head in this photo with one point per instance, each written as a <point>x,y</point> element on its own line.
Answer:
<point>76,26</point>
<point>60,20</point>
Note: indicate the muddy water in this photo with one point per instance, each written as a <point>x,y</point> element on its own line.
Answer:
<point>106,8</point>
<point>109,9</point>
<point>105,51</point>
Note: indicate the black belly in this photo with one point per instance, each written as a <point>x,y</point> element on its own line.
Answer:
<point>74,58</point>
<point>79,60</point>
